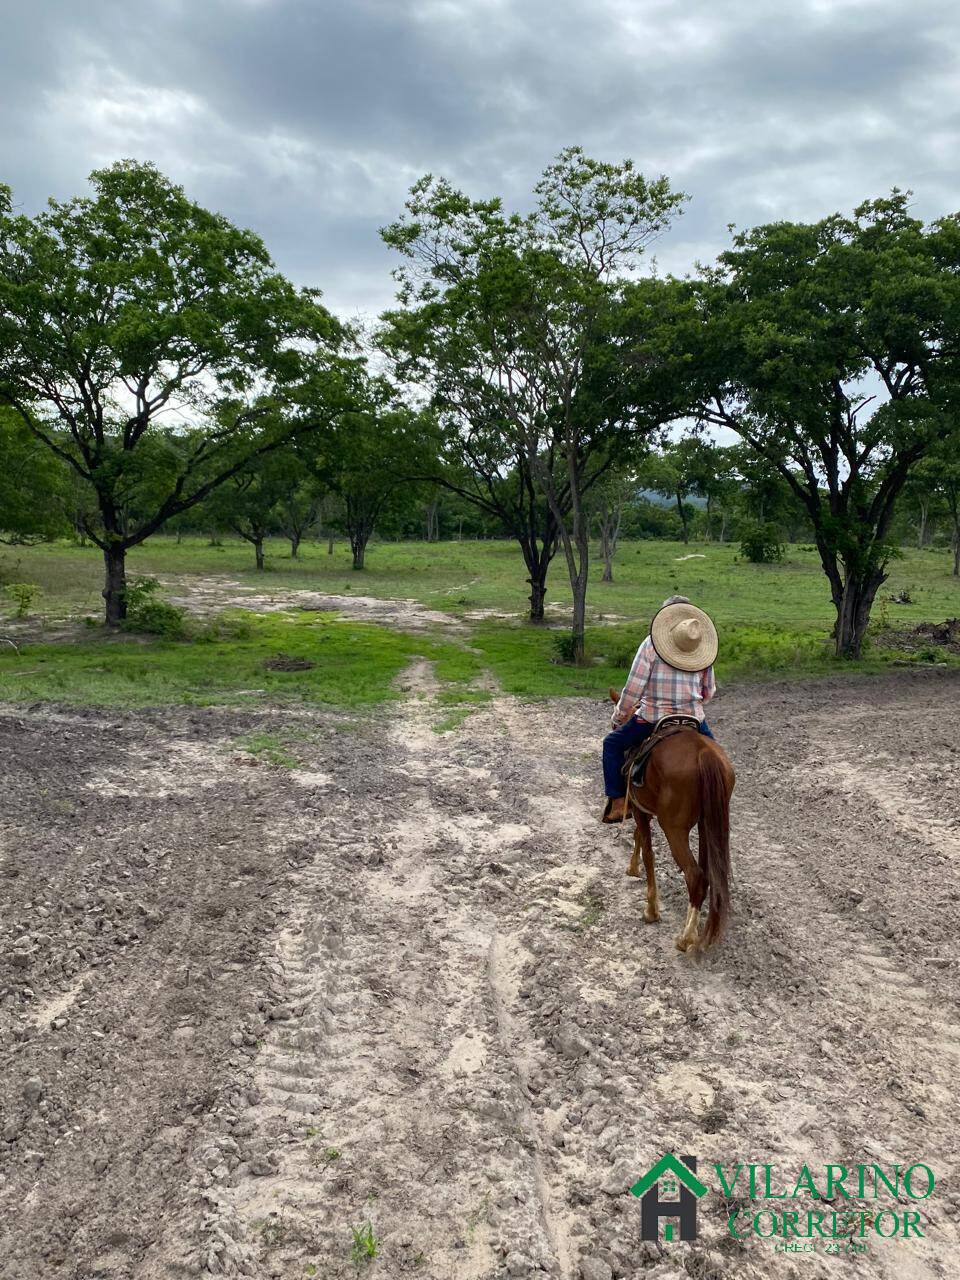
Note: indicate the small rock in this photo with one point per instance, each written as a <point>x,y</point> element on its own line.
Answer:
<point>595,1269</point>
<point>33,1090</point>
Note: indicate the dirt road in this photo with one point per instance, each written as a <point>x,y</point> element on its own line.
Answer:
<point>261,1021</point>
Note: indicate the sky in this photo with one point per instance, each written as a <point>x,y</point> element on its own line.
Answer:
<point>308,120</point>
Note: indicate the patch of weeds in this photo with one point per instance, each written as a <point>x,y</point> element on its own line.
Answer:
<point>366,1246</point>
<point>311,1133</point>
<point>148,614</point>
<point>564,648</point>
<point>270,749</point>
<point>332,1154</point>
<point>592,912</point>
<point>454,719</point>
<point>311,1270</point>
<point>477,1215</point>
<point>23,595</point>
<point>273,1231</point>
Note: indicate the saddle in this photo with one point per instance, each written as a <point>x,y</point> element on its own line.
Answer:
<point>635,764</point>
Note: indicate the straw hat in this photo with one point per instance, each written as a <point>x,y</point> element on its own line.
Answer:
<point>684,637</point>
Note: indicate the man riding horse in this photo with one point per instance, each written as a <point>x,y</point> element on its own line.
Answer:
<point>671,675</point>
<point>684,779</point>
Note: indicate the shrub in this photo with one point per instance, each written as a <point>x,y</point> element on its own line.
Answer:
<point>146,613</point>
<point>563,647</point>
<point>23,594</point>
<point>761,543</point>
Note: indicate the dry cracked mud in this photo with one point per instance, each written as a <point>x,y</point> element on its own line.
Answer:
<point>253,1017</point>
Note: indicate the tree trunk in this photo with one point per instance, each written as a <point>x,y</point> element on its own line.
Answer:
<point>294,545</point>
<point>258,550</point>
<point>115,585</point>
<point>430,520</point>
<point>956,553</point>
<point>683,518</point>
<point>922,526</point>
<point>853,613</point>
<point>330,545</point>
<point>579,614</point>
<point>358,545</point>
<point>538,594</point>
<point>460,531</point>
<point>607,575</point>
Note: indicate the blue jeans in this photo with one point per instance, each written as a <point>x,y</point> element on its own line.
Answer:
<point>618,743</point>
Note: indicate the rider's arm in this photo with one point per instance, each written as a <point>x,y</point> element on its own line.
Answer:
<point>636,683</point>
<point>708,685</point>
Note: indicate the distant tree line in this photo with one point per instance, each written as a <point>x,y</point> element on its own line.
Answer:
<point>158,372</point>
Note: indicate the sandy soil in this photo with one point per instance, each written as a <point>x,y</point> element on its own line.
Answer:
<point>245,1010</point>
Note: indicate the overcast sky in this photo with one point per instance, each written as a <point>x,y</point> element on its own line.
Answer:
<point>309,119</point>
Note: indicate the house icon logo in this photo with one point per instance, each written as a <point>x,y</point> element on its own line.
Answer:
<point>670,1176</point>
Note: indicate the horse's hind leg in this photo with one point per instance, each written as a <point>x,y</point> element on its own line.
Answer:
<point>679,840</point>
<point>643,839</point>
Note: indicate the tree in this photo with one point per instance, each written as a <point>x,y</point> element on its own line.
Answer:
<point>922,495</point>
<point>35,495</point>
<point>370,458</point>
<point>941,470</point>
<point>123,311</point>
<point>605,501</point>
<point>249,502</point>
<point>777,343</point>
<point>300,503</point>
<point>506,319</point>
<point>676,471</point>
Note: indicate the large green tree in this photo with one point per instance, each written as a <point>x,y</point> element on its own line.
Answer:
<point>505,318</point>
<point>371,457</point>
<point>154,348</point>
<point>35,497</point>
<point>833,350</point>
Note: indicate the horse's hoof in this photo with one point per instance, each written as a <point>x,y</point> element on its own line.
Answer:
<point>630,872</point>
<point>651,917</point>
<point>684,944</point>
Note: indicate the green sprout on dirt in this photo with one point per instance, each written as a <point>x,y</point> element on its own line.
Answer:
<point>270,749</point>
<point>477,1215</point>
<point>331,1154</point>
<point>592,913</point>
<point>273,1231</point>
<point>366,1246</point>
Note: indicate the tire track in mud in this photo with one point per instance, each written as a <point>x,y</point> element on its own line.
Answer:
<point>452,1024</point>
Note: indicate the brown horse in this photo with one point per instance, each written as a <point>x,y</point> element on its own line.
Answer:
<point>688,783</point>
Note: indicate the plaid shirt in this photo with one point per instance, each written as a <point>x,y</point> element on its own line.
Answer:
<point>656,689</point>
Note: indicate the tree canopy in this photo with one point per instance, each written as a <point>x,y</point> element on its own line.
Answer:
<point>153,347</point>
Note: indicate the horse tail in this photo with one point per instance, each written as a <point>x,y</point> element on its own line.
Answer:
<point>713,829</point>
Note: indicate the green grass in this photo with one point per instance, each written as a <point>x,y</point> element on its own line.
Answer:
<point>456,577</point>
<point>773,620</point>
<point>355,666</point>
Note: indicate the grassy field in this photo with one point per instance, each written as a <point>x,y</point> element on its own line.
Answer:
<point>772,619</point>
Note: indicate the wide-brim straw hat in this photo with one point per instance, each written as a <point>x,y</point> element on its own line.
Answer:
<point>685,637</point>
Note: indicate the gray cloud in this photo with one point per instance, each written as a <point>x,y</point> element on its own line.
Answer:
<point>309,119</point>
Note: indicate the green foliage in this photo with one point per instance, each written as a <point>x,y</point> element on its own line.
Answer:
<point>365,1246</point>
<point>270,749</point>
<point>148,614</point>
<point>24,595</point>
<point>509,321</point>
<point>761,543</point>
<point>564,647</point>
<point>34,488</point>
<point>160,302</point>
